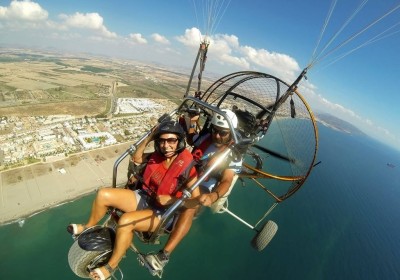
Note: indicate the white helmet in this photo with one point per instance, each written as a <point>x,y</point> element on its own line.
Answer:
<point>219,120</point>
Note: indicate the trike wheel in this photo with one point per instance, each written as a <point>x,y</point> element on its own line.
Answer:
<point>263,237</point>
<point>80,261</point>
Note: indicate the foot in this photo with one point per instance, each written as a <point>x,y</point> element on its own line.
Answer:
<point>157,261</point>
<point>76,229</point>
<point>102,273</point>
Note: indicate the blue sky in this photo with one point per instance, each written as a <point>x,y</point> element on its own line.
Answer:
<point>272,36</point>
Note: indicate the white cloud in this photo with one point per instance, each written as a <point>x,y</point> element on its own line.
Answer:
<point>25,15</point>
<point>191,38</point>
<point>285,66</point>
<point>137,38</point>
<point>160,39</point>
<point>337,110</point>
<point>232,40</point>
<point>237,61</point>
<point>90,21</point>
<point>78,20</point>
<point>23,10</point>
<point>227,50</point>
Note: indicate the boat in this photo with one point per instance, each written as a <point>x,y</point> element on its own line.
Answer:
<point>21,222</point>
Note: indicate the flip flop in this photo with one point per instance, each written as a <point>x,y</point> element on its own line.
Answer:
<point>100,273</point>
<point>73,228</point>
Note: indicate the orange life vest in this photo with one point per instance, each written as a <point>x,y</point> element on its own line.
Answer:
<point>159,180</point>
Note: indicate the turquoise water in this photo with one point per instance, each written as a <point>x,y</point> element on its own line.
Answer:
<point>344,223</point>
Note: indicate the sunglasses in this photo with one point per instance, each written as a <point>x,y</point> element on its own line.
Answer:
<point>169,141</point>
<point>221,132</point>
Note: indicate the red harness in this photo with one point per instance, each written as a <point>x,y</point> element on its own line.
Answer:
<point>198,151</point>
<point>203,163</point>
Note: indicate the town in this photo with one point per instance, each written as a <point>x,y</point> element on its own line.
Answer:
<point>31,139</point>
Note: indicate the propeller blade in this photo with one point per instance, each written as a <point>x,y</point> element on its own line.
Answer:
<point>275,154</point>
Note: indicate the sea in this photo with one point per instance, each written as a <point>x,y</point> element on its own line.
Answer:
<point>343,223</point>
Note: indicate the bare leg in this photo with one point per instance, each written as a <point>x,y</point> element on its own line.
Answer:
<point>143,220</point>
<point>123,239</point>
<point>123,199</point>
<point>180,230</point>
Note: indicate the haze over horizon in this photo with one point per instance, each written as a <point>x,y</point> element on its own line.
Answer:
<point>275,38</point>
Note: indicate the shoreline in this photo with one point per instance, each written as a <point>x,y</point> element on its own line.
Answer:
<point>29,190</point>
<point>45,208</point>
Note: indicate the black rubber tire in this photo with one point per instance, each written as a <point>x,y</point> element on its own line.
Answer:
<point>79,259</point>
<point>263,237</point>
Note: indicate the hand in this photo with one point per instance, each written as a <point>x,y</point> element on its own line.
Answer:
<point>164,199</point>
<point>153,130</point>
<point>132,180</point>
<point>206,199</point>
<point>194,118</point>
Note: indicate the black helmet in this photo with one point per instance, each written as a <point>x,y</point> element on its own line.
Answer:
<point>170,127</point>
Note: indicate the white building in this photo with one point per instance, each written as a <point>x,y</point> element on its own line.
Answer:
<point>96,140</point>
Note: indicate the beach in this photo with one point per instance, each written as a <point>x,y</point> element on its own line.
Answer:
<point>31,189</point>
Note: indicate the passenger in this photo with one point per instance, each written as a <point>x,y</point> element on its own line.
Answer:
<point>144,207</point>
<point>214,188</point>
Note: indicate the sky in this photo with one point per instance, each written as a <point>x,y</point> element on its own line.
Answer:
<point>350,46</point>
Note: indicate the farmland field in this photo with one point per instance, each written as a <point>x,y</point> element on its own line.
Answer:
<point>40,83</point>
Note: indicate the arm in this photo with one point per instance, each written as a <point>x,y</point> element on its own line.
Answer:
<point>220,190</point>
<point>192,129</point>
<point>140,156</point>
<point>189,203</point>
<point>193,201</point>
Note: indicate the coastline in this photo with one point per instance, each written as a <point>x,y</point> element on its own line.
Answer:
<point>29,190</point>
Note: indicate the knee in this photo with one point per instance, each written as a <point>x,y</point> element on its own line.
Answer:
<point>186,217</point>
<point>188,213</point>
<point>125,222</point>
<point>103,194</point>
